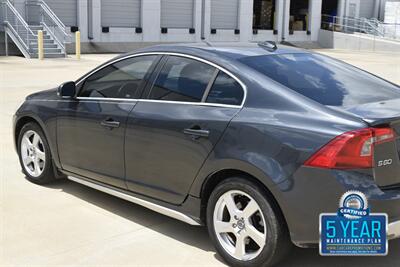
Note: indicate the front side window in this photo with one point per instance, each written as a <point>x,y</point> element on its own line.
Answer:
<point>225,90</point>
<point>122,79</point>
<point>182,79</point>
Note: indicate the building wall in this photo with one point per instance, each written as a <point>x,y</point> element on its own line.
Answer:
<point>151,25</point>
<point>339,40</point>
<point>94,37</point>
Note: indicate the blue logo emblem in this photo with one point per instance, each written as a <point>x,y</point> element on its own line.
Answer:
<point>353,230</point>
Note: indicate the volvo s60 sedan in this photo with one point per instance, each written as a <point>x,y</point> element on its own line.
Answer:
<point>252,141</point>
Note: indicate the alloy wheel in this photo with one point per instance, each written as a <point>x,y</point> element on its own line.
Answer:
<point>239,225</point>
<point>33,153</point>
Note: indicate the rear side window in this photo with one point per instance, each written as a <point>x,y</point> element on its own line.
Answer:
<point>327,81</point>
<point>122,79</point>
<point>182,79</point>
<point>225,90</point>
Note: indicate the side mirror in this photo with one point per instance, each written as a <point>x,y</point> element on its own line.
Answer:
<point>67,90</point>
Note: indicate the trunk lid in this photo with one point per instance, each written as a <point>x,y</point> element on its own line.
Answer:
<point>377,113</point>
<point>386,155</point>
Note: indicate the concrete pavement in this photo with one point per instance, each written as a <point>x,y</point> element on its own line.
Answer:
<point>71,225</point>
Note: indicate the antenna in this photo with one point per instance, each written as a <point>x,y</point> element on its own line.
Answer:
<point>268,45</point>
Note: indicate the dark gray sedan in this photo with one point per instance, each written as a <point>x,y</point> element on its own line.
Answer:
<point>254,142</point>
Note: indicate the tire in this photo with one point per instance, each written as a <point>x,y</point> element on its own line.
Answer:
<point>265,224</point>
<point>39,170</point>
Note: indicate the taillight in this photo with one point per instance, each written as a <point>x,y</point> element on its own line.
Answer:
<point>351,150</point>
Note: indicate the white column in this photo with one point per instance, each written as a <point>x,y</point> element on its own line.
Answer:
<point>207,19</point>
<point>286,19</point>
<point>279,17</point>
<point>82,18</point>
<point>341,8</point>
<point>197,13</point>
<point>246,19</point>
<point>96,20</point>
<point>314,18</point>
<point>151,22</point>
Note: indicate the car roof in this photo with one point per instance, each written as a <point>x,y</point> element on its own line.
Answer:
<point>232,51</point>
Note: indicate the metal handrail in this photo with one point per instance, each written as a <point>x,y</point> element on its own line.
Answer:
<point>17,15</point>
<point>10,27</point>
<point>47,28</point>
<point>351,25</point>
<point>51,23</point>
<point>51,14</point>
<point>19,21</point>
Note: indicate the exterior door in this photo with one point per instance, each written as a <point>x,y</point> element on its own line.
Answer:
<point>170,135</point>
<point>91,128</point>
<point>120,13</point>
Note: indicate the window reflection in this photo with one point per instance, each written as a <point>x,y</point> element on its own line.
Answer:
<point>327,81</point>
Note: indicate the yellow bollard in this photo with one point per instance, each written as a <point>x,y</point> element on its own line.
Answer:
<point>40,45</point>
<point>78,44</point>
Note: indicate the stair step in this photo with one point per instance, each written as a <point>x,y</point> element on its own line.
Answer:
<point>49,55</point>
<point>36,27</point>
<point>47,41</point>
<point>45,37</point>
<point>44,32</point>
<point>46,50</point>
<point>45,45</point>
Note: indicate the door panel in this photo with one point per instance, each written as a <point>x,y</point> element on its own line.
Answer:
<point>161,159</point>
<point>90,140</point>
<point>91,129</point>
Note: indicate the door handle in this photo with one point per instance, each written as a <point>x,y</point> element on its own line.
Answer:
<point>110,123</point>
<point>197,132</point>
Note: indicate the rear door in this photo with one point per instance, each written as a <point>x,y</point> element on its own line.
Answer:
<point>171,132</point>
<point>91,128</point>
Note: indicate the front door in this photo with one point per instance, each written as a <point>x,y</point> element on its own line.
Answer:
<point>170,135</point>
<point>91,128</point>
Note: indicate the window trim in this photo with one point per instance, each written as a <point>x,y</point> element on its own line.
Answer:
<point>244,88</point>
<point>157,72</point>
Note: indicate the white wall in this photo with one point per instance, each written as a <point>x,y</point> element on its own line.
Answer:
<point>150,23</point>
<point>338,40</point>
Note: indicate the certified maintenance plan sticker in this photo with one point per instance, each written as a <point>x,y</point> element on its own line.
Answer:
<point>353,231</point>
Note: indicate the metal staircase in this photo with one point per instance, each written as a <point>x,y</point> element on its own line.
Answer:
<point>25,36</point>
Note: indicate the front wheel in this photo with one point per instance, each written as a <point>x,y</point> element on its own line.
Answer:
<point>245,226</point>
<point>34,154</point>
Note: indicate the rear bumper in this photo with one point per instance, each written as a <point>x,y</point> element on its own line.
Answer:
<point>394,230</point>
<point>312,191</point>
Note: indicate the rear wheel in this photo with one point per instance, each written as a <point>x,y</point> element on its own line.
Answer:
<point>34,154</point>
<point>245,226</point>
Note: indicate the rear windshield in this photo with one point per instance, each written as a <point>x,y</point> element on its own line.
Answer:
<point>325,80</point>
